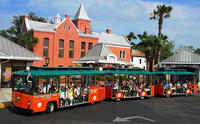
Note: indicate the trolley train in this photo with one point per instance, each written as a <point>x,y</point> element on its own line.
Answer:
<point>40,89</point>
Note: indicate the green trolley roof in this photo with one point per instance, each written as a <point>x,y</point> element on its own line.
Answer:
<point>175,72</point>
<point>129,72</point>
<point>59,71</point>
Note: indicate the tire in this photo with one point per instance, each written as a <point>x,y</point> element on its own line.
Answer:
<point>186,94</point>
<point>118,99</point>
<point>142,97</point>
<point>50,107</point>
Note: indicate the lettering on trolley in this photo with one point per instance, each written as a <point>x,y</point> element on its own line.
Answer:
<point>45,96</point>
<point>93,91</point>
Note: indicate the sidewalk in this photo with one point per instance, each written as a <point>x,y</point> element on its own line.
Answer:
<point>5,97</point>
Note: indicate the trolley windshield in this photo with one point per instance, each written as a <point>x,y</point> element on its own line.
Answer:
<point>23,84</point>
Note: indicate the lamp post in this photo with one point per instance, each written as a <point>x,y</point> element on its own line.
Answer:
<point>47,60</point>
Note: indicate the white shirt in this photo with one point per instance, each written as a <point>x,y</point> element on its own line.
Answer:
<point>115,86</point>
<point>77,91</point>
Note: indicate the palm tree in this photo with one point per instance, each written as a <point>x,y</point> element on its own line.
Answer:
<point>146,46</point>
<point>131,36</point>
<point>160,13</point>
<point>27,40</point>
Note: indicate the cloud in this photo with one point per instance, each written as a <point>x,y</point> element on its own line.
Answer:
<point>123,16</point>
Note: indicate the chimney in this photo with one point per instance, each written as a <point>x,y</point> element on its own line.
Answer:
<point>109,31</point>
<point>67,16</point>
<point>87,30</point>
<point>26,16</point>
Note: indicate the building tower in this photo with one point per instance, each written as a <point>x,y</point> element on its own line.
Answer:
<point>57,18</point>
<point>81,20</point>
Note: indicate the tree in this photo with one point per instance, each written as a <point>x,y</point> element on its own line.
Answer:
<point>151,44</point>
<point>160,13</point>
<point>167,50</point>
<point>145,45</point>
<point>131,36</point>
<point>33,17</point>
<point>15,34</point>
<point>28,36</point>
<point>197,50</point>
<point>5,34</point>
<point>190,47</point>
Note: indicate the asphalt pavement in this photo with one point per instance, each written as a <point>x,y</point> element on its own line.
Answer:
<point>155,110</point>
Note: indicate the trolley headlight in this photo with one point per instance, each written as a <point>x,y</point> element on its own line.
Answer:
<point>18,98</point>
<point>29,103</point>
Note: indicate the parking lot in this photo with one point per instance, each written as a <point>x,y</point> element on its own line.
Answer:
<point>158,110</point>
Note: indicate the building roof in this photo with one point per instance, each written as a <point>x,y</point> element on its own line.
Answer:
<point>183,55</point>
<point>40,26</point>
<point>112,39</point>
<point>100,53</point>
<point>137,53</point>
<point>81,14</point>
<point>12,51</point>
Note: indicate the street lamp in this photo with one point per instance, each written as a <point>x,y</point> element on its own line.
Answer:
<point>47,59</point>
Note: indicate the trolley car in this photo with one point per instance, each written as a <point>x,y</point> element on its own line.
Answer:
<point>175,82</point>
<point>138,84</point>
<point>48,88</point>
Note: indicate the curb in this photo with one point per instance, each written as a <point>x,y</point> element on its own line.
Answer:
<point>6,105</point>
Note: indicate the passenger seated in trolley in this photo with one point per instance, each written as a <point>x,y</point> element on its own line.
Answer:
<point>85,93</point>
<point>166,86</point>
<point>70,94</point>
<point>115,87</point>
<point>63,95</point>
<point>77,93</point>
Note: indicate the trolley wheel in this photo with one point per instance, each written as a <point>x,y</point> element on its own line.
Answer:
<point>50,107</point>
<point>142,97</point>
<point>167,96</point>
<point>118,99</point>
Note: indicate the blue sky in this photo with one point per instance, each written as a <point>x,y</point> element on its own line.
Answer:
<point>122,16</point>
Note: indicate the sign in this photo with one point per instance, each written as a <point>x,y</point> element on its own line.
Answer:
<point>7,74</point>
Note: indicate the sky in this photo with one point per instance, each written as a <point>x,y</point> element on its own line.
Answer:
<point>122,16</point>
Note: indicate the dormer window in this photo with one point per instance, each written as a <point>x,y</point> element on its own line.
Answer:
<point>124,54</point>
<point>64,27</point>
<point>69,28</point>
<point>120,54</point>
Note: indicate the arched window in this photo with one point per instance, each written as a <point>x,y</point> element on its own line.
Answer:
<point>45,47</point>
<point>124,54</point>
<point>61,48</point>
<point>120,54</point>
<point>82,49</point>
<point>71,49</point>
<point>90,45</point>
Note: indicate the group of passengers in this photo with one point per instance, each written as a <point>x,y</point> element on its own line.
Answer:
<point>129,88</point>
<point>178,87</point>
<point>50,88</point>
<point>73,93</point>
